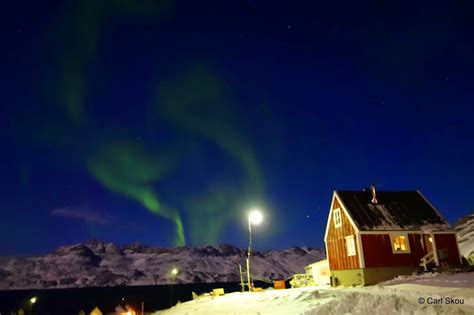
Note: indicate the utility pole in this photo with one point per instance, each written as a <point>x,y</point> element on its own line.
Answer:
<point>241,279</point>
<point>248,256</point>
<point>255,217</point>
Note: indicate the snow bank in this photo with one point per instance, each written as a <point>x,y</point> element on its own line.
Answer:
<point>400,298</point>
<point>465,232</point>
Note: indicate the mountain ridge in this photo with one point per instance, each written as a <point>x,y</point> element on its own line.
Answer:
<point>98,263</point>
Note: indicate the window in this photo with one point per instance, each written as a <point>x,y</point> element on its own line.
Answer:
<point>337,217</point>
<point>350,245</point>
<point>400,243</point>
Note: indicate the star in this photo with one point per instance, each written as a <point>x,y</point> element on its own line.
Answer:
<point>289,26</point>
<point>307,216</point>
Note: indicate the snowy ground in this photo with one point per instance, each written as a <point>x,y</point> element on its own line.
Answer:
<point>403,295</point>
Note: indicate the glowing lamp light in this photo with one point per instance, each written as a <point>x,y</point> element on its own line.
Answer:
<point>255,217</point>
<point>174,272</point>
<point>33,300</point>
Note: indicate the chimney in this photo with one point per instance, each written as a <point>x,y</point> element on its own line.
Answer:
<point>374,196</point>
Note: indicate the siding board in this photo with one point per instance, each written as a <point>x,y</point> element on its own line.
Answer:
<point>378,251</point>
<point>448,242</point>
<point>336,242</point>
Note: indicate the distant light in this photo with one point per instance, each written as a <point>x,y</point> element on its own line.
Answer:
<point>255,217</point>
<point>174,272</point>
<point>33,300</point>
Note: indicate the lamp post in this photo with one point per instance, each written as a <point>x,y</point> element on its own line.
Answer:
<point>32,302</point>
<point>255,217</point>
<point>174,273</point>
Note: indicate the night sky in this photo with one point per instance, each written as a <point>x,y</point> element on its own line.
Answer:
<point>164,122</point>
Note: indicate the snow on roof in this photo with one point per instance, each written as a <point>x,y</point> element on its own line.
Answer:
<point>318,263</point>
<point>394,210</point>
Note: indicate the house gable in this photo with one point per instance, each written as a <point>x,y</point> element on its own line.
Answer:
<point>336,203</point>
<point>336,239</point>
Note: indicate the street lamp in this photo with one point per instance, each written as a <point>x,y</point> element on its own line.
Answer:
<point>32,302</point>
<point>174,272</point>
<point>255,217</point>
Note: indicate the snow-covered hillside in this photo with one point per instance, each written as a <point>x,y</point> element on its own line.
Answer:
<point>425,294</point>
<point>105,264</point>
<point>465,232</point>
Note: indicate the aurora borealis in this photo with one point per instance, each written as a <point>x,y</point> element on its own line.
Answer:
<point>164,122</point>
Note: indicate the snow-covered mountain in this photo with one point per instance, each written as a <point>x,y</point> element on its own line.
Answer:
<point>104,264</point>
<point>465,232</point>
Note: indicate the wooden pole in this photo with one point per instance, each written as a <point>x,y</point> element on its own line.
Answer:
<point>248,273</point>
<point>241,278</point>
<point>249,280</point>
<point>435,251</point>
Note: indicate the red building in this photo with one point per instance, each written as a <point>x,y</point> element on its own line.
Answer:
<point>375,236</point>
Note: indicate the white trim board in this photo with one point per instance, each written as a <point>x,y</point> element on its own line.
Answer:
<point>329,218</point>
<point>343,207</point>
<point>360,248</point>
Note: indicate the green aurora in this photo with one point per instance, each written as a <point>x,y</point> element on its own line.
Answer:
<point>130,170</point>
<point>195,102</point>
<point>198,103</point>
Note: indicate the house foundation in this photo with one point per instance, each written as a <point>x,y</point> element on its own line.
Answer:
<point>367,276</point>
<point>347,278</point>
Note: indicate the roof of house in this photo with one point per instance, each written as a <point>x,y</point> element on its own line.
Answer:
<point>394,210</point>
<point>321,262</point>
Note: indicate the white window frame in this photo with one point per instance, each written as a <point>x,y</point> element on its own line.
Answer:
<point>350,245</point>
<point>392,238</point>
<point>337,217</point>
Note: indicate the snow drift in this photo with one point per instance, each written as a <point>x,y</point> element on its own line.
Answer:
<point>465,232</point>
<point>404,295</point>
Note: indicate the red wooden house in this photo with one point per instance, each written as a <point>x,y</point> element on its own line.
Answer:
<point>375,236</point>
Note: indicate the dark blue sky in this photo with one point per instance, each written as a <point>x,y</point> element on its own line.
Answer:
<point>110,108</point>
